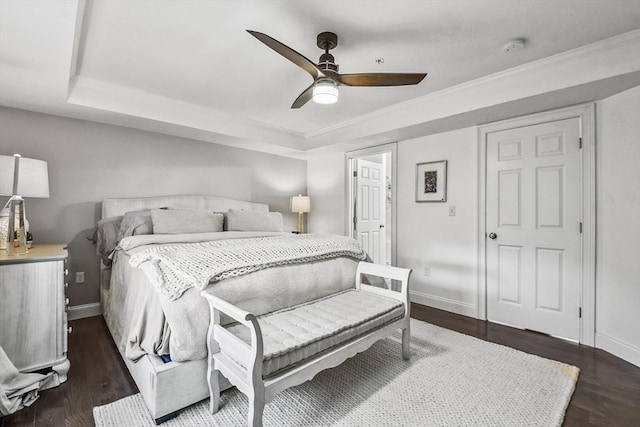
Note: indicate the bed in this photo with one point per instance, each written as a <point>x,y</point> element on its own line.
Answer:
<point>159,323</point>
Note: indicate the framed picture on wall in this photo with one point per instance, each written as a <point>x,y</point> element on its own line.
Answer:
<point>431,181</point>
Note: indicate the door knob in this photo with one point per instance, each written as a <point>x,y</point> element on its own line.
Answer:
<point>493,236</point>
<point>381,226</point>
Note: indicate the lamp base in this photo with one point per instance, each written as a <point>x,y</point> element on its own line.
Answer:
<point>300,222</point>
<point>16,239</point>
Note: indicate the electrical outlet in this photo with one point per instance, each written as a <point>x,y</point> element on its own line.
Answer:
<point>80,277</point>
<point>452,211</point>
<point>427,271</point>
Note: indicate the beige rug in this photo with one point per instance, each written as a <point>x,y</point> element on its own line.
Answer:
<point>451,380</point>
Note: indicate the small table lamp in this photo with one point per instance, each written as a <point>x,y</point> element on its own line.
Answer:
<point>20,176</point>
<point>300,204</point>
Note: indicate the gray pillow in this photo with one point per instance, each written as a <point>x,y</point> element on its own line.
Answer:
<point>106,237</point>
<point>253,221</point>
<point>178,221</point>
<point>134,223</point>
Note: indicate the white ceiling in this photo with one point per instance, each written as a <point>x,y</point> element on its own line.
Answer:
<point>189,67</point>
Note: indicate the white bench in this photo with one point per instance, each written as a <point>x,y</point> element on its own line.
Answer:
<point>264,355</point>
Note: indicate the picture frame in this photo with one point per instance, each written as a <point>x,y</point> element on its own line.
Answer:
<point>431,181</point>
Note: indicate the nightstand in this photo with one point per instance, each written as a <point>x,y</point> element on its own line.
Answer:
<point>33,309</point>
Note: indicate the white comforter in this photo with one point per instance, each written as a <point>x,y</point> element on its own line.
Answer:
<point>180,266</point>
<point>144,320</point>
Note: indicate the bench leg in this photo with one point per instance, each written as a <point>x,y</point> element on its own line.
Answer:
<point>214,388</point>
<point>406,338</point>
<point>256,407</point>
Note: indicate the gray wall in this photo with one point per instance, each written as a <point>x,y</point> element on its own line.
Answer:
<point>89,162</point>
<point>618,230</point>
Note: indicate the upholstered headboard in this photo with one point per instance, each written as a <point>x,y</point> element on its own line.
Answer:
<point>116,207</point>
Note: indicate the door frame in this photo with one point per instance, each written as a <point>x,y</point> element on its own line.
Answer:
<point>350,156</point>
<point>586,115</point>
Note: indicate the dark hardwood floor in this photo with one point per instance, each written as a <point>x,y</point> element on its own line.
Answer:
<point>97,376</point>
<point>607,393</point>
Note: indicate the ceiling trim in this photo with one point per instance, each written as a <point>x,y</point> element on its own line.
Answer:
<point>105,96</point>
<point>77,38</point>
<point>597,61</point>
<point>100,95</point>
<point>101,101</point>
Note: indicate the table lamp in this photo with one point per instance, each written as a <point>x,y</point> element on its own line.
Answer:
<point>300,204</point>
<point>20,177</point>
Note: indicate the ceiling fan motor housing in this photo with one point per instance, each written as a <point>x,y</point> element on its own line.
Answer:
<point>327,41</point>
<point>327,62</point>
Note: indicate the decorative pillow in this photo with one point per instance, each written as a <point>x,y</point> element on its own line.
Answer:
<point>178,221</point>
<point>134,223</point>
<point>106,237</point>
<point>253,221</point>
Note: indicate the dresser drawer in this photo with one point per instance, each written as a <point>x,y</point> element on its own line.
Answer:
<point>33,318</point>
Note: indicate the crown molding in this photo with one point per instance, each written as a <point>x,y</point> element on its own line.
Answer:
<point>597,61</point>
<point>100,95</point>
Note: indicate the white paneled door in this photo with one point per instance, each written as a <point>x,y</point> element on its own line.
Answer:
<point>370,209</point>
<point>533,227</point>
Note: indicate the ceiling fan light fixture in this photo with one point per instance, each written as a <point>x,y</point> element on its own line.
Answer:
<point>325,91</point>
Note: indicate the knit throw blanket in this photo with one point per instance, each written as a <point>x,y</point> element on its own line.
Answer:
<point>178,267</point>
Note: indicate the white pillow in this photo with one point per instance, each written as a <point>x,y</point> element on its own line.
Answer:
<point>178,221</point>
<point>254,221</point>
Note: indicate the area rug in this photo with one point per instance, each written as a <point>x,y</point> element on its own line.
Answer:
<point>451,380</point>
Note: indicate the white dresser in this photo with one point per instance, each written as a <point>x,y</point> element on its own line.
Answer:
<point>33,309</point>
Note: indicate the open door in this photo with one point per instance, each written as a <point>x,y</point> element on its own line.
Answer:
<point>370,208</point>
<point>372,202</point>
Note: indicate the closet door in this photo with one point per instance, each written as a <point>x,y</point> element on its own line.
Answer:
<point>533,225</point>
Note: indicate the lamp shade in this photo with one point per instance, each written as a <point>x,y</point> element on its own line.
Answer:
<point>33,177</point>
<point>301,203</point>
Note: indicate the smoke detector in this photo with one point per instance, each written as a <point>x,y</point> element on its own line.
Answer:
<point>513,45</point>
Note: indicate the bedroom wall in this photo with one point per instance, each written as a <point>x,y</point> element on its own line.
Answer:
<point>618,232</point>
<point>427,236</point>
<point>326,187</point>
<point>89,162</point>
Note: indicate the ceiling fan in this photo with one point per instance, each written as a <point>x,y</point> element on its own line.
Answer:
<point>326,79</point>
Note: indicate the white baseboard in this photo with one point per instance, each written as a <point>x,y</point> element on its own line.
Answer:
<point>618,348</point>
<point>446,304</point>
<point>84,310</point>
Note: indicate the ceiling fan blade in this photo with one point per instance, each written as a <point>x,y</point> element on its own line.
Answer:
<point>293,56</point>
<point>380,79</point>
<point>304,97</point>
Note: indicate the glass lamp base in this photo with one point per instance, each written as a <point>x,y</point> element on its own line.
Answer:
<point>16,239</point>
<point>4,228</point>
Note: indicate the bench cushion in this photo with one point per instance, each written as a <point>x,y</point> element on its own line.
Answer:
<point>297,333</point>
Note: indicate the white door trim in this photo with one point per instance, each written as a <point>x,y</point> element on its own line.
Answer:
<point>586,114</point>
<point>378,149</point>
